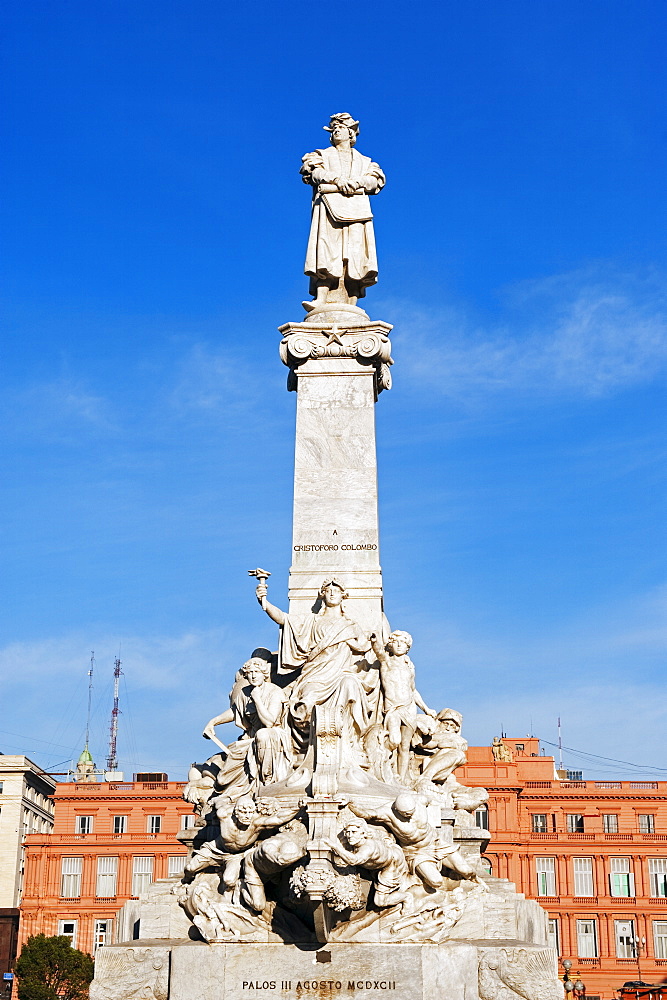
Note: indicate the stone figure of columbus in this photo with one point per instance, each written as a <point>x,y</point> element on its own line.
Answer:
<point>341,259</point>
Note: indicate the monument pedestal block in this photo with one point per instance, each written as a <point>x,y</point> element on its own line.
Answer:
<point>479,970</point>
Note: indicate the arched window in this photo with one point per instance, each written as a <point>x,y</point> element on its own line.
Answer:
<point>487,867</point>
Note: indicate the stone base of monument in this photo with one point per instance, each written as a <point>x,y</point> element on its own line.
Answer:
<point>479,970</point>
<point>495,950</point>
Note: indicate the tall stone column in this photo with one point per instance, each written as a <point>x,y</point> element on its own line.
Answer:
<point>337,373</point>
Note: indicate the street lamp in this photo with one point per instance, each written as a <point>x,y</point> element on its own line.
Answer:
<point>572,987</point>
<point>640,946</point>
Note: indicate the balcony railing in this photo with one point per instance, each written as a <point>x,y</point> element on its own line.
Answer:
<point>76,838</point>
<point>635,786</point>
<point>107,787</point>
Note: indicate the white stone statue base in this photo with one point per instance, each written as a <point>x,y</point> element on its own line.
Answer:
<point>481,970</point>
<point>497,950</point>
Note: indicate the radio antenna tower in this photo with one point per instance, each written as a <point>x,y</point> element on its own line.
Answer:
<point>90,695</point>
<point>112,759</point>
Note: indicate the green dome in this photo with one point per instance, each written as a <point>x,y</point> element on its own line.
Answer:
<point>86,756</point>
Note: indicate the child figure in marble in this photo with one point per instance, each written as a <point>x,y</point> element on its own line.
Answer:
<point>401,697</point>
<point>444,745</point>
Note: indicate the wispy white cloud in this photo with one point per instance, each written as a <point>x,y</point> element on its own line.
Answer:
<point>588,333</point>
<point>61,408</point>
<point>620,723</point>
<point>205,380</point>
<point>209,381</point>
<point>602,671</point>
<point>172,685</point>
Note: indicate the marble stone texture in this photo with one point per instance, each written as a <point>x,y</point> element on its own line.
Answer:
<point>476,970</point>
<point>335,527</point>
<point>129,971</point>
<point>155,915</point>
<point>404,972</point>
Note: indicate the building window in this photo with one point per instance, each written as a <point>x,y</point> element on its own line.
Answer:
<point>119,824</point>
<point>107,869</point>
<point>621,879</point>
<point>575,823</point>
<point>486,866</point>
<point>583,879</point>
<point>574,775</point>
<point>84,824</point>
<point>142,875</point>
<point>646,823</point>
<point>546,876</point>
<point>482,817</point>
<point>520,747</point>
<point>553,934</point>
<point>67,928</point>
<point>154,824</point>
<point>188,821</point>
<point>2,787</point>
<point>175,865</point>
<point>587,939</point>
<point>610,822</point>
<point>538,822</point>
<point>102,934</point>
<point>660,938</point>
<point>70,886</point>
<point>624,932</point>
<point>657,869</point>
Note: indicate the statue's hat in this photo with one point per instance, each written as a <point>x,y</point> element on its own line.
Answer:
<point>341,119</point>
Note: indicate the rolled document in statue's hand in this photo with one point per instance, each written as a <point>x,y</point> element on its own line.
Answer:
<point>332,189</point>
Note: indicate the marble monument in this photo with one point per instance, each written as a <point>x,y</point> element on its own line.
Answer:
<point>335,852</point>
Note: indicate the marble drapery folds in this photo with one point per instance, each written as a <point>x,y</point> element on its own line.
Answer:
<point>324,651</point>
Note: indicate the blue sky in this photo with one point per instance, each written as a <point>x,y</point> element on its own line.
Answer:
<point>154,227</point>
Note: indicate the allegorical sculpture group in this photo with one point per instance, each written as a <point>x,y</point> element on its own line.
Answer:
<point>333,723</point>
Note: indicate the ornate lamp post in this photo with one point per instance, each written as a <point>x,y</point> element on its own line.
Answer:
<point>572,987</point>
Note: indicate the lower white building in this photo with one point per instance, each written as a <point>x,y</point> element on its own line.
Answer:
<point>26,806</point>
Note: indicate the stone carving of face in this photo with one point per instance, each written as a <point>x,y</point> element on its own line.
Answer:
<point>332,595</point>
<point>450,725</point>
<point>245,810</point>
<point>399,643</point>
<point>255,673</point>
<point>398,647</point>
<point>340,133</point>
<point>354,834</point>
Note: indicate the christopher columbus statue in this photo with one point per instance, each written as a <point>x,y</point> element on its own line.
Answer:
<point>341,259</point>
